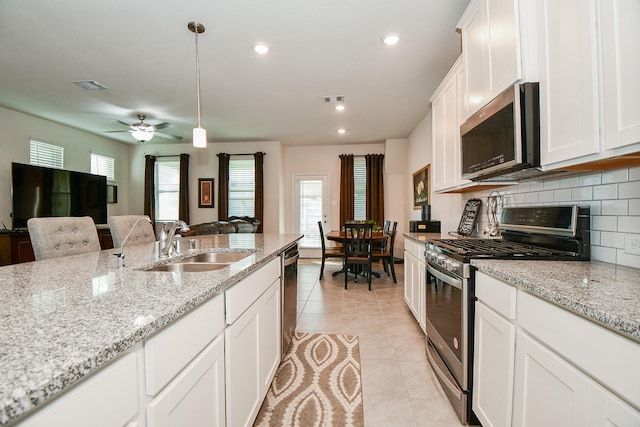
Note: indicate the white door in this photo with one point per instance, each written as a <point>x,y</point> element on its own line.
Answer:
<point>311,204</point>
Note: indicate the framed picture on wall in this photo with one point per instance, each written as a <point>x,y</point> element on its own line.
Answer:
<point>421,187</point>
<point>205,192</point>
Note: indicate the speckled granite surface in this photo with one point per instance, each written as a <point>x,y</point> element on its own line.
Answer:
<point>604,293</point>
<point>61,319</point>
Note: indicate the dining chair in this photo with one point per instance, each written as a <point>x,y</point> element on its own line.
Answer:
<point>386,254</point>
<point>62,236</point>
<point>121,225</point>
<point>328,252</point>
<point>357,251</point>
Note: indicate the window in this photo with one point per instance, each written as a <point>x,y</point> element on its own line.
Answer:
<point>242,188</point>
<point>360,188</point>
<point>102,165</point>
<point>48,155</point>
<point>167,178</point>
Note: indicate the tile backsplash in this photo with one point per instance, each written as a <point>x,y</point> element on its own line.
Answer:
<point>614,197</point>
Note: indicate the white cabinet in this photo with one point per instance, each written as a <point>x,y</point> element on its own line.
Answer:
<point>491,46</point>
<point>414,281</point>
<point>196,396</point>
<point>588,81</point>
<point>108,398</point>
<point>252,344</point>
<point>494,352</point>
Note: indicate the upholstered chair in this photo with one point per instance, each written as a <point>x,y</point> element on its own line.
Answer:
<point>62,236</point>
<point>120,226</point>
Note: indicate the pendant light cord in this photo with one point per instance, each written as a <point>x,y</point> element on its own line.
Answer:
<point>197,73</point>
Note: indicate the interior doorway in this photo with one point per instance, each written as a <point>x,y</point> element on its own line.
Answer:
<point>311,204</point>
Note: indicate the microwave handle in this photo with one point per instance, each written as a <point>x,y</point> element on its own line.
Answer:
<point>456,283</point>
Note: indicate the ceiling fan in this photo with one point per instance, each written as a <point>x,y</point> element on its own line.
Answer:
<point>143,132</point>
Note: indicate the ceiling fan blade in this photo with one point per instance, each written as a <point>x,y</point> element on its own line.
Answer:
<point>115,131</point>
<point>163,125</point>
<point>123,123</point>
<point>168,136</point>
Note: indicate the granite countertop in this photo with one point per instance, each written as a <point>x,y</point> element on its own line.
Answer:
<point>604,293</point>
<point>423,237</point>
<point>61,319</point>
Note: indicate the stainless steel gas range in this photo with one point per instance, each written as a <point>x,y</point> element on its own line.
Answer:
<point>533,232</point>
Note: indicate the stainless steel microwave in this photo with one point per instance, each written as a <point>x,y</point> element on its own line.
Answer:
<point>502,139</point>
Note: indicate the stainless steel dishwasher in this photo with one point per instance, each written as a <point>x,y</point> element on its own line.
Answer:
<point>289,288</point>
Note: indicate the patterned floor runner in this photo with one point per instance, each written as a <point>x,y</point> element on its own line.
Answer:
<point>318,383</point>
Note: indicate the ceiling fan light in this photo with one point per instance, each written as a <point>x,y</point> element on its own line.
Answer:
<point>199,137</point>
<point>142,135</point>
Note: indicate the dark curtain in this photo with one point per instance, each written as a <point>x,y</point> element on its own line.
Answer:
<point>375,187</point>
<point>347,188</point>
<point>259,195</point>
<point>149,187</point>
<point>223,186</point>
<point>183,195</point>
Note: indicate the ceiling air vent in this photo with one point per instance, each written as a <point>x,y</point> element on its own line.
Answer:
<point>89,84</point>
<point>333,99</point>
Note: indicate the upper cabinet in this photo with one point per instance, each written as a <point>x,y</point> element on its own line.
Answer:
<point>492,50</point>
<point>589,89</point>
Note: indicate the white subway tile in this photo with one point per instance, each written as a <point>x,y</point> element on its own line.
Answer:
<point>523,187</point>
<point>562,195</point>
<point>536,185</point>
<point>634,173</point>
<point>518,199</point>
<point>629,260</point>
<point>615,176</point>
<point>582,193</point>
<point>615,207</point>
<point>629,224</point>
<point>569,182</point>
<point>551,184</point>
<point>604,192</point>
<point>591,178</point>
<point>599,253</point>
<point>634,206</point>
<point>594,205</point>
<point>612,240</point>
<point>629,190</point>
<point>546,196</point>
<point>594,236</point>
<point>531,197</point>
<point>604,223</point>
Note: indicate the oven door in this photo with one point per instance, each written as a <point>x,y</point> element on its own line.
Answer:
<point>447,320</point>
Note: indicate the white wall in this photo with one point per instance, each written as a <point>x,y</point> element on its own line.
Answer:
<point>203,163</point>
<point>18,128</point>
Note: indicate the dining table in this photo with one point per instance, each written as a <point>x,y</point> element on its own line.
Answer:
<point>337,236</point>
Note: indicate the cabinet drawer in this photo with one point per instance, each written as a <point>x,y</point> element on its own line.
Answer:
<point>415,249</point>
<point>240,297</point>
<point>604,355</point>
<point>168,352</point>
<point>108,398</point>
<point>498,295</point>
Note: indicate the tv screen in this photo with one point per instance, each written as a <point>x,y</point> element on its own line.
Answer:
<point>46,192</point>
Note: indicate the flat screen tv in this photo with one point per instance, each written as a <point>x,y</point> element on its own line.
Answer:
<point>45,192</point>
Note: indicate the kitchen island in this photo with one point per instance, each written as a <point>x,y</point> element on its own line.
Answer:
<point>65,319</point>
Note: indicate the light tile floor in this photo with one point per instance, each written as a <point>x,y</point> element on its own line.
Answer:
<point>398,386</point>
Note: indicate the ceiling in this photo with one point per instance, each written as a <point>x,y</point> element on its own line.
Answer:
<point>142,51</point>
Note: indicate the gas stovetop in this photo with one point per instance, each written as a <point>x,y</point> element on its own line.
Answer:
<point>532,233</point>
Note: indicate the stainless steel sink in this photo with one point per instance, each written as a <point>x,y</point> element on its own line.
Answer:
<point>209,261</point>
<point>218,257</point>
<point>188,267</point>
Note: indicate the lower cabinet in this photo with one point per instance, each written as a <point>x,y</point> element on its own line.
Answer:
<point>414,281</point>
<point>537,364</point>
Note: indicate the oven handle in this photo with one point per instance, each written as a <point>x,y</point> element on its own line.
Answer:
<point>456,283</point>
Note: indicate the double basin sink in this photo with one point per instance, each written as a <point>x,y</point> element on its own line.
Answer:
<point>203,262</point>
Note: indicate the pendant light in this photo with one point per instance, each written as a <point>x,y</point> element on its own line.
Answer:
<point>199,133</point>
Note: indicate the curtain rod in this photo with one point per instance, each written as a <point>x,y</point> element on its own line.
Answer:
<point>167,155</point>
<point>240,154</point>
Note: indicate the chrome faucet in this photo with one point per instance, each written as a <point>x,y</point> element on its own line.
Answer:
<point>121,254</point>
<point>168,246</point>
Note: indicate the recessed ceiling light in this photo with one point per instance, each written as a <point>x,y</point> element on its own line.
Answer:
<point>342,131</point>
<point>391,38</point>
<point>340,107</point>
<point>261,48</point>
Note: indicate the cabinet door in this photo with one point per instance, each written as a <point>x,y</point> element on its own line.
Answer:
<point>196,396</point>
<point>620,33</point>
<point>493,362</point>
<point>569,120</point>
<point>547,390</point>
<point>605,409</point>
<point>270,335</point>
<point>410,286</point>
<point>475,42</point>
<point>242,366</point>
<point>504,45</point>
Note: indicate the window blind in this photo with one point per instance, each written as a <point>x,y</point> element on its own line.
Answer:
<point>103,165</point>
<point>360,188</point>
<point>44,154</point>
<point>242,186</point>
<point>167,189</point>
